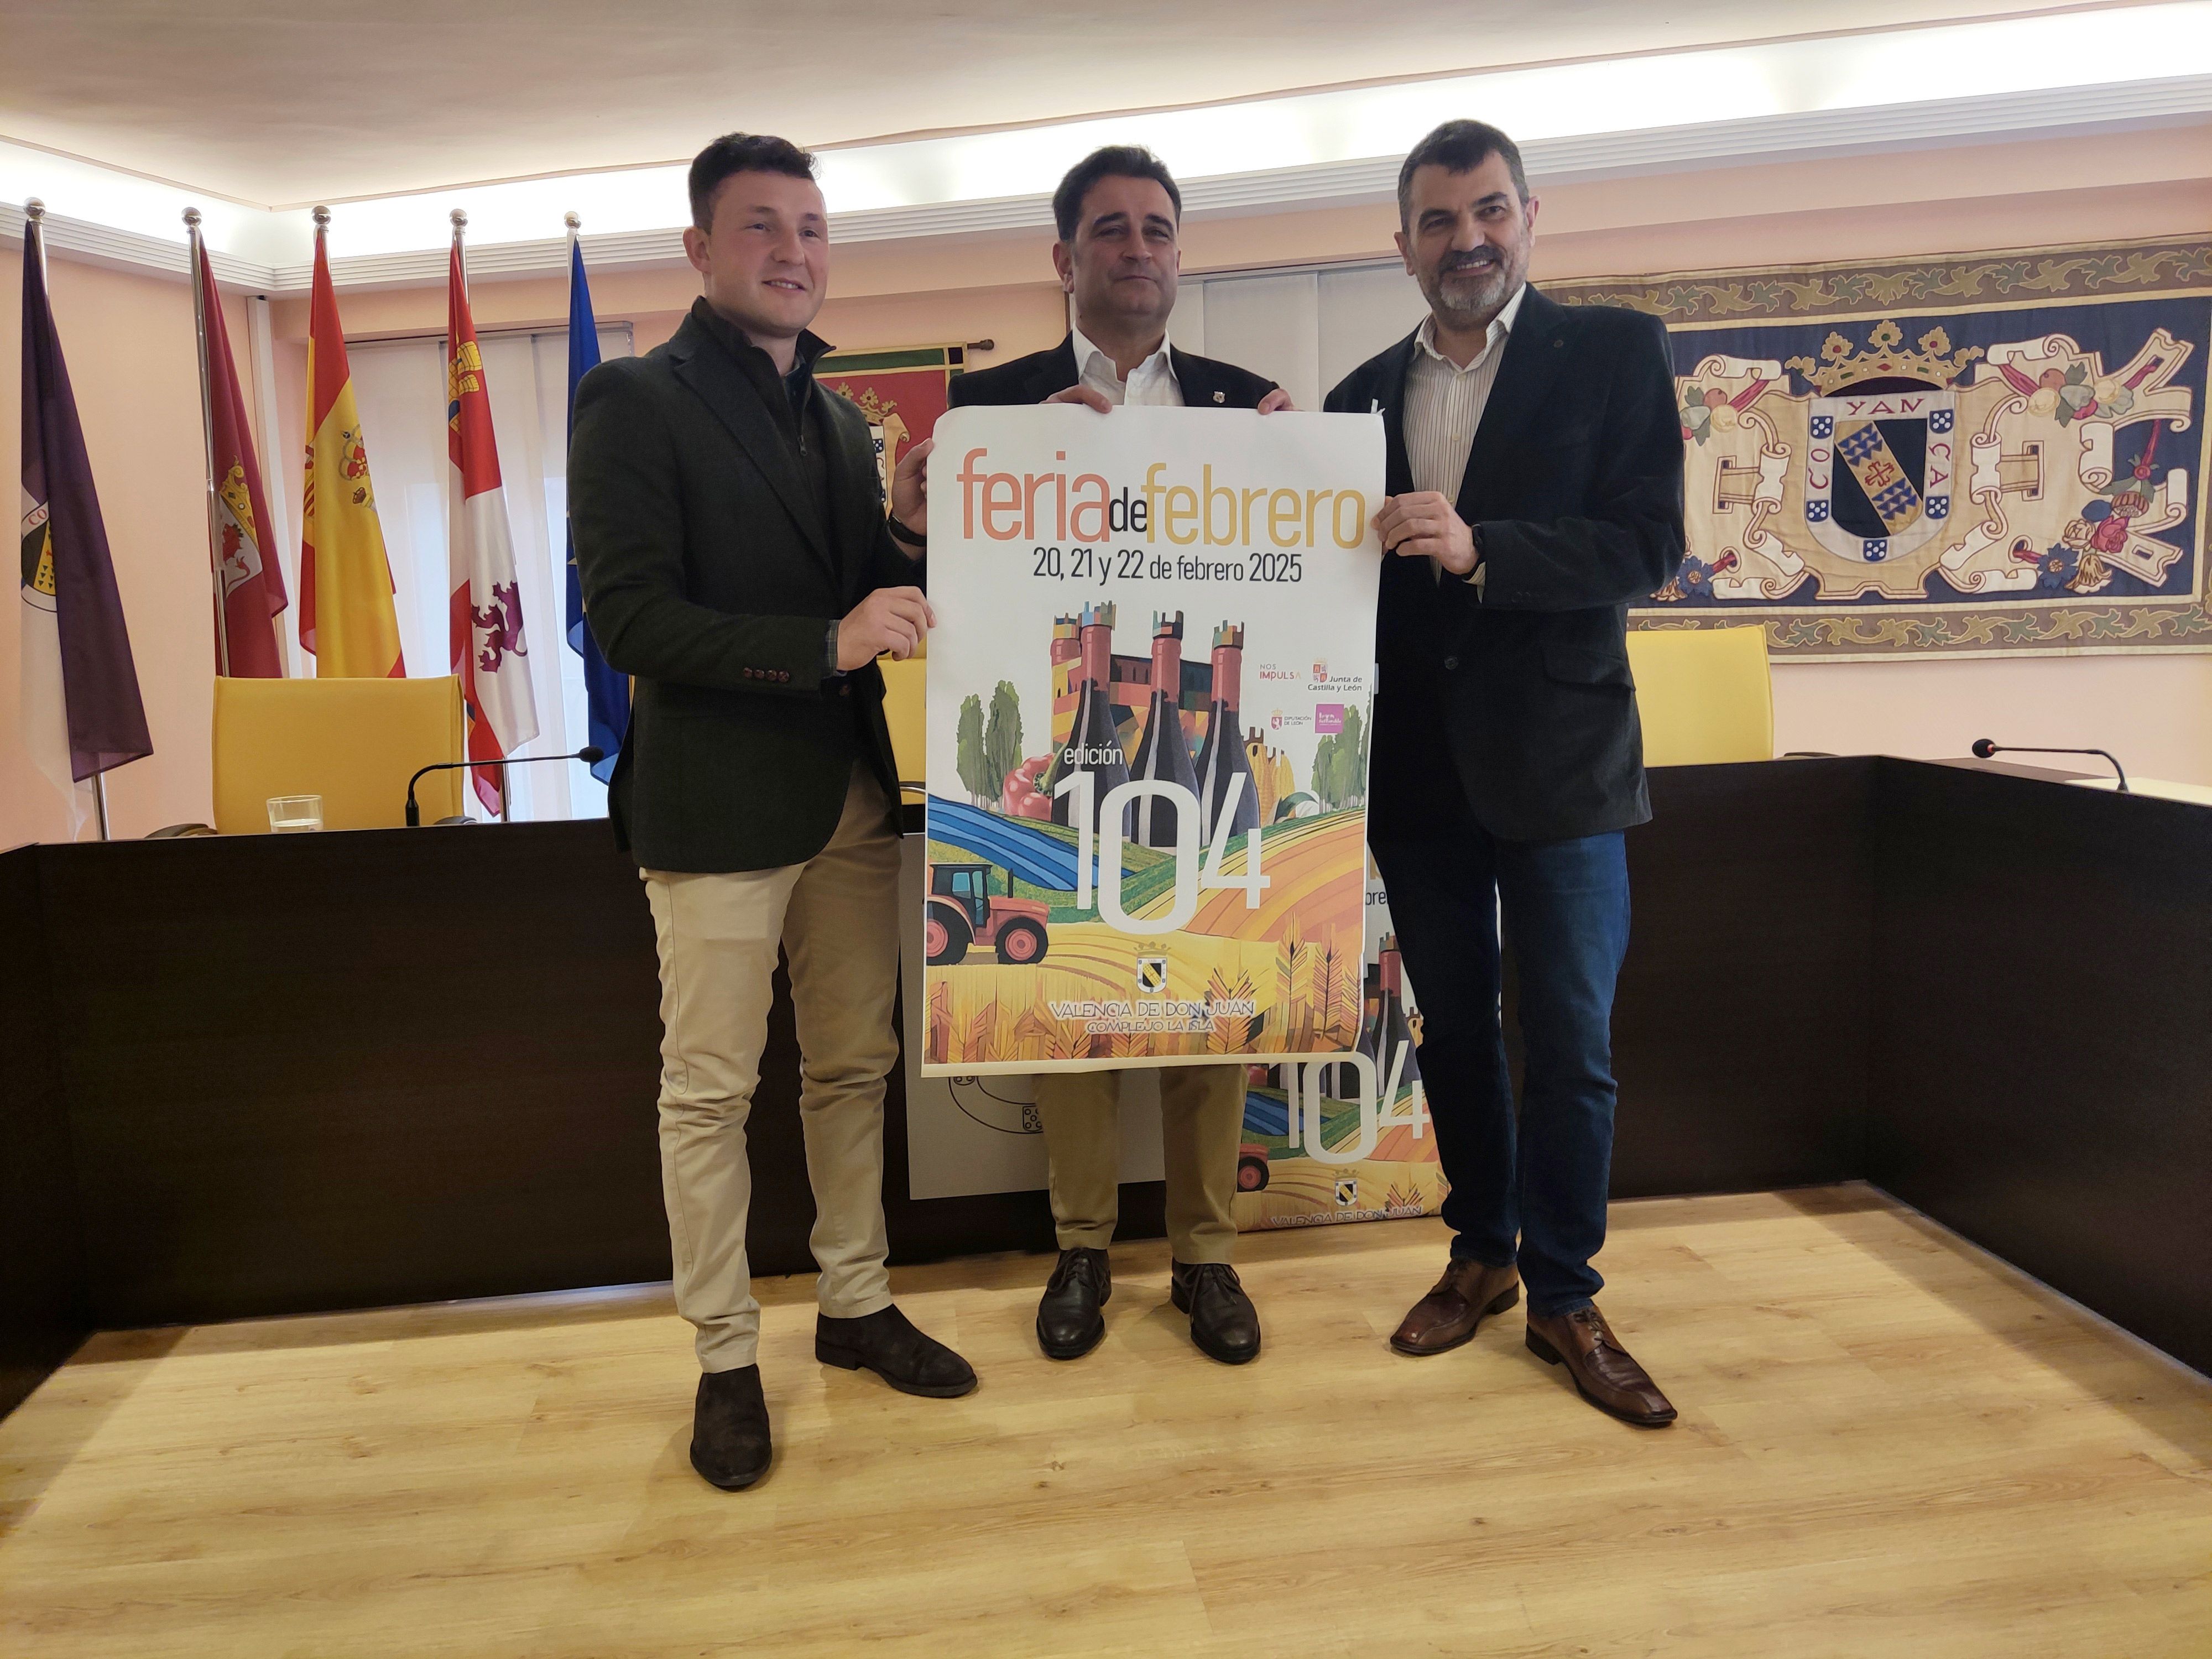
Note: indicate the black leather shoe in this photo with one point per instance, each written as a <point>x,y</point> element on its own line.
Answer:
<point>730,1443</point>
<point>1069,1324</point>
<point>1222,1321</point>
<point>886,1343</point>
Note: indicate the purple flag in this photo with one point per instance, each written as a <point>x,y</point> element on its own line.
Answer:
<point>82,712</point>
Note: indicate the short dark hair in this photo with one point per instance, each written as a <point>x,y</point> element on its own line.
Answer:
<point>1459,147</point>
<point>1114,162</point>
<point>741,152</point>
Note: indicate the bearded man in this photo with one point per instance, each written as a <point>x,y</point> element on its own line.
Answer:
<point>1535,470</point>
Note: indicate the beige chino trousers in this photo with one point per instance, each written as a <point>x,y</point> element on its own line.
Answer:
<point>1201,1125</point>
<point>836,918</point>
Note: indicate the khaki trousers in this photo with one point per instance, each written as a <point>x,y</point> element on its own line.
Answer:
<point>836,918</point>
<point>1201,1125</point>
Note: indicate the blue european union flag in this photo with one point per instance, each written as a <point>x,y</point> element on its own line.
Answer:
<point>606,692</point>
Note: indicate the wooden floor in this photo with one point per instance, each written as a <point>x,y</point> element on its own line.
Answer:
<point>1888,1444</point>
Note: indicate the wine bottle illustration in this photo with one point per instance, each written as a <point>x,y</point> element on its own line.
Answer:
<point>1163,753</point>
<point>1395,1032</point>
<point>1221,758</point>
<point>1347,1083</point>
<point>1094,743</point>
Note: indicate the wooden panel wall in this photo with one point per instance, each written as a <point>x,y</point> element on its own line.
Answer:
<point>43,1311</point>
<point>2042,1080</point>
<point>320,1071</point>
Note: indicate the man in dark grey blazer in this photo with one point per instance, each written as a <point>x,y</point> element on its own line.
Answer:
<point>736,562</point>
<point>1535,472</point>
<point>1118,214</point>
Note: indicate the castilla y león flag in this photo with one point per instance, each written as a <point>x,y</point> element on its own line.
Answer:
<point>81,714</point>
<point>252,582</point>
<point>346,614</point>
<point>489,656</point>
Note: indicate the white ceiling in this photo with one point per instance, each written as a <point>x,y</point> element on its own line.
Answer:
<point>280,103</point>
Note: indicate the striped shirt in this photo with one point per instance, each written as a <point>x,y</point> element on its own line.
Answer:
<point>1444,405</point>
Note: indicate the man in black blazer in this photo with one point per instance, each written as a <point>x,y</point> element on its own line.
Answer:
<point>1535,471</point>
<point>736,562</point>
<point>1118,215</point>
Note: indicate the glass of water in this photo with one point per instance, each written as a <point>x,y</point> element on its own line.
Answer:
<point>288,814</point>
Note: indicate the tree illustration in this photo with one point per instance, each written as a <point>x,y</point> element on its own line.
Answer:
<point>1325,786</point>
<point>1353,758</point>
<point>968,753</point>
<point>1339,764</point>
<point>1002,737</point>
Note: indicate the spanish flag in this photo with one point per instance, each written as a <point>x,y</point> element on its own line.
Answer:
<point>346,615</point>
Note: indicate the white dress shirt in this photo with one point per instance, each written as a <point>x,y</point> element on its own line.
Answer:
<point>1152,384</point>
<point>1444,405</point>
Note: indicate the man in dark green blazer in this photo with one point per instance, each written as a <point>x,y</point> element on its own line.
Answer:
<point>737,564</point>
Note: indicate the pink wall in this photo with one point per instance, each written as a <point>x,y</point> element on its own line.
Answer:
<point>130,344</point>
<point>2152,711</point>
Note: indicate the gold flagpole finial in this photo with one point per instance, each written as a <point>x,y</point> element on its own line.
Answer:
<point>322,218</point>
<point>573,220</point>
<point>192,218</point>
<point>34,210</point>
<point>460,221</point>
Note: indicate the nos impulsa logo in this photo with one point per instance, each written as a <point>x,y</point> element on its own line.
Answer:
<point>1152,975</point>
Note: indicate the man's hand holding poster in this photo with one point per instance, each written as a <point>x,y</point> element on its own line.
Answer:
<point>1147,735</point>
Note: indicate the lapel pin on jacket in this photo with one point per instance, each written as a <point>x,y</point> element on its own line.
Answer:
<point>1221,397</point>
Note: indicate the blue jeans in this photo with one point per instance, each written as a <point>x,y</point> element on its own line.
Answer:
<point>1533,1191</point>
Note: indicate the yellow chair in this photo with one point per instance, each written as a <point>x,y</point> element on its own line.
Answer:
<point>1706,695</point>
<point>902,711</point>
<point>354,743</point>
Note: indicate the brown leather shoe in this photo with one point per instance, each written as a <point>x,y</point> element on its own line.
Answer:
<point>1446,1316</point>
<point>1604,1372</point>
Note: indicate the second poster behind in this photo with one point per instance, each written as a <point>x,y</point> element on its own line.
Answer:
<point>1147,735</point>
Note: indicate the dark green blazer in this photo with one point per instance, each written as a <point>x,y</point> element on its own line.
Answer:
<point>709,577</point>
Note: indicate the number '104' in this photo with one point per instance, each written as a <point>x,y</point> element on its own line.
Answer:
<point>1189,878</point>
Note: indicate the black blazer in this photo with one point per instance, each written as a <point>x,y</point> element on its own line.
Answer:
<point>1517,698</point>
<point>708,575</point>
<point>1205,383</point>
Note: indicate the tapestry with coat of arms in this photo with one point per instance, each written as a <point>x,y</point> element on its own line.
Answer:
<point>1988,454</point>
<point>901,393</point>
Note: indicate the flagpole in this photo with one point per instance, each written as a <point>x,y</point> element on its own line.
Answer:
<point>206,440</point>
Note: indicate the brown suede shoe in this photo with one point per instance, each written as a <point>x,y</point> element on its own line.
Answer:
<point>1604,1373</point>
<point>1446,1316</point>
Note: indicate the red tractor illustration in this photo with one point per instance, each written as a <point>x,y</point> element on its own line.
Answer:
<point>1251,1168</point>
<point>963,911</point>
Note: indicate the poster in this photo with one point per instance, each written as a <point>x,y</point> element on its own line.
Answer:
<point>1993,454</point>
<point>1147,737</point>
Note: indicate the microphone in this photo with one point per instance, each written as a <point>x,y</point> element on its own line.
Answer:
<point>1983,748</point>
<point>588,753</point>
